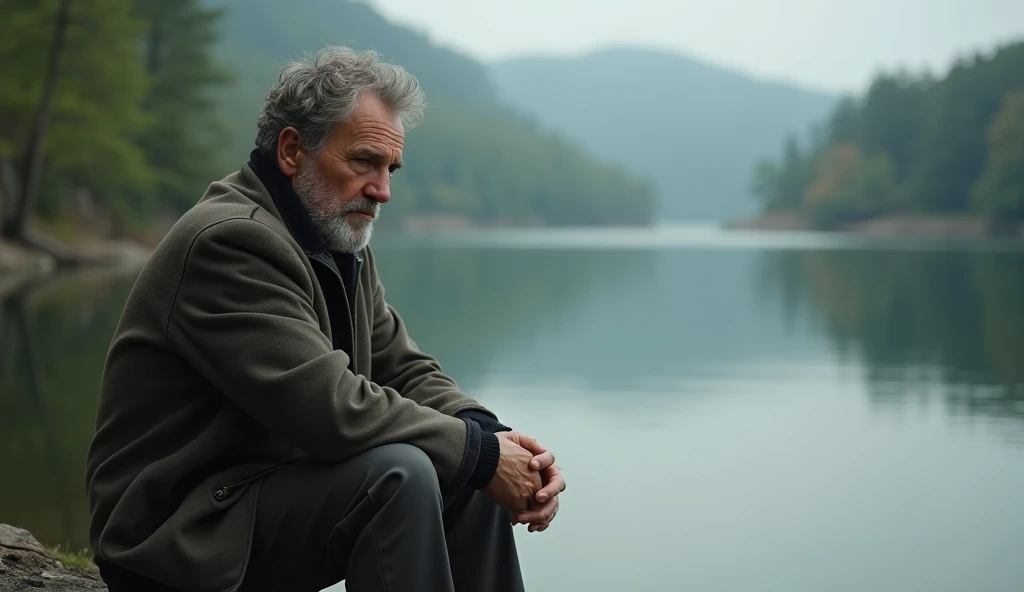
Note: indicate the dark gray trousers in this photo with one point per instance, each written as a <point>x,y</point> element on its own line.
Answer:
<point>379,522</point>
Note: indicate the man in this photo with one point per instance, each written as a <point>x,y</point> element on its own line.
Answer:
<point>265,422</point>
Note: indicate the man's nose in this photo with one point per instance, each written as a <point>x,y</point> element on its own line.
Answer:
<point>379,190</point>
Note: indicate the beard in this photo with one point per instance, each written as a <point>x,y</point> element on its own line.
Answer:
<point>341,232</point>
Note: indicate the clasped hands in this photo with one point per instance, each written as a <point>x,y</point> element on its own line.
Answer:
<point>527,482</point>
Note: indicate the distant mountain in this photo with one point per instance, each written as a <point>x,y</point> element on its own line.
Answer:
<point>695,130</point>
<point>473,159</point>
<point>259,31</point>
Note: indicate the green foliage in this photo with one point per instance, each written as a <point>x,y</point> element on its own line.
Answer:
<point>143,119</point>
<point>81,559</point>
<point>849,186</point>
<point>182,141</point>
<point>97,117</point>
<point>781,187</point>
<point>495,168</point>
<point>936,146</point>
<point>1000,190</point>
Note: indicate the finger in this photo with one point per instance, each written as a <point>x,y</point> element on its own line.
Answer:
<point>555,485</point>
<point>542,461</point>
<point>553,473</point>
<point>542,514</point>
<point>539,526</point>
<point>530,443</point>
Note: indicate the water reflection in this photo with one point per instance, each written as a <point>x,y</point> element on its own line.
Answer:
<point>54,335</point>
<point>628,339</point>
<point>916,320</point>
<point>477,310</point>
<point>607,323</point>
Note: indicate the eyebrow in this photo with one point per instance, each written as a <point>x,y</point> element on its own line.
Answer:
<point>374,154</point>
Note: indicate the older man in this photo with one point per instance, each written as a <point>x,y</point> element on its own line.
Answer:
<point>265,421</point>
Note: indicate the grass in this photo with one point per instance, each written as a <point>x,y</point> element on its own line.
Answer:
<point>80,559</point>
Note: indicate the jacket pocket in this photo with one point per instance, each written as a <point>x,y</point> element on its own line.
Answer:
<point>221,494</point>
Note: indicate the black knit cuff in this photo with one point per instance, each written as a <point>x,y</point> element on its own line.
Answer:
<point>487,463</point>
<point>487,422</point>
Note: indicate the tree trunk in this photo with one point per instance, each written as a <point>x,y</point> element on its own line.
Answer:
<point>32,177</point>
<point>8,189</point>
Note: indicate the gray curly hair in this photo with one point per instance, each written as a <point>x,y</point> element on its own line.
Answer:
<point>315,94</point>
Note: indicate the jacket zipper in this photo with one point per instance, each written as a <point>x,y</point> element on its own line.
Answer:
<point>350,306</point>
<point>355,299</point>
<point>353,305</point>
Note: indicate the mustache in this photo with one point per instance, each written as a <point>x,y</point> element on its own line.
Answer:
<point>362,204</point>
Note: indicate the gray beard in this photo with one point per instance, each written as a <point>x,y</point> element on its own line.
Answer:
<point>338,231</point>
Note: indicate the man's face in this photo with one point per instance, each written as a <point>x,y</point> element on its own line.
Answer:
<point>345,183</point>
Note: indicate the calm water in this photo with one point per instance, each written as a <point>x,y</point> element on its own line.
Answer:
<point>733,412</point>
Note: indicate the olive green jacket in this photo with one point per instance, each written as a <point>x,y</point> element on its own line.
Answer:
<point>222,369</point>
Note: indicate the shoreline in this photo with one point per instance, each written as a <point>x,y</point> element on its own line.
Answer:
<point>20,264</point>
<point>895,225</point>
<point>19,261</point>
<point>25,564</point>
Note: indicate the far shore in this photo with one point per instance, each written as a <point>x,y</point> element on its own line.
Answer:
<point>910,225</point>
<point>18,262</point>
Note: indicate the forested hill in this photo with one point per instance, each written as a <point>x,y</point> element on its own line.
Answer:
<point>471,158</point>
<point>913,144</point>
<point>149,101</point>
<point>694,129</point>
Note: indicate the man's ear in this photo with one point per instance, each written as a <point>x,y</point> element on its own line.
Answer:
<point>289,151</point>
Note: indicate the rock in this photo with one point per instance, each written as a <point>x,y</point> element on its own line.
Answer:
<point>25,564</point>
<point>19,538</point>
<point>17,259</point>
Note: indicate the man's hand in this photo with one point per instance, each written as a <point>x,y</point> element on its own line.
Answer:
<point>514,483</point>
<point>543,510</point>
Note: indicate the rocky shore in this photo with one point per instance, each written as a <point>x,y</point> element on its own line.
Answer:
<point>17,259</point>
<point>26,565</point>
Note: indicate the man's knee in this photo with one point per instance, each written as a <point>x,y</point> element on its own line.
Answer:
<point>403,471</point>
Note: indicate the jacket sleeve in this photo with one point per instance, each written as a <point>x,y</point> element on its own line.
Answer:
<point>243,316</point>
<point>399,363</point>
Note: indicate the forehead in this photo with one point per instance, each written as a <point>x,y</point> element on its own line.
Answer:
<point>372,124</point>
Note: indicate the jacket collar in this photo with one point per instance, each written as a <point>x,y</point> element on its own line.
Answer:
<point>293,213</point>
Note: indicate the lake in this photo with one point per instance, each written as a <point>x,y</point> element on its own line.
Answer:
<point>732,411</point>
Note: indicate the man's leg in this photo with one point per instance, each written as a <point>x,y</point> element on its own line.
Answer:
<point>481,546</point>
<point>374,520</point>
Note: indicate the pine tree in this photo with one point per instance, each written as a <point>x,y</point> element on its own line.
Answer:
<point>96,83</point>
<point>1000,190</point>
<point>183,139</point>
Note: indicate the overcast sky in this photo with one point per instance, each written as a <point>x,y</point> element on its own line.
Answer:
<point>817,43</point>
